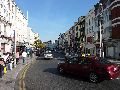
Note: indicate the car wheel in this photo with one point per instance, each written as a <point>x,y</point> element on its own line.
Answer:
<point>61,70</point>
<point>93,77</point>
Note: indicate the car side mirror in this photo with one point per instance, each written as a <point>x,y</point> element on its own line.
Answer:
<point>67,61</point>
<point>70,62</point>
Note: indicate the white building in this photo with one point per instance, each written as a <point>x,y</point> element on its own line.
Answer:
<point>13,24</point>
<point>31,37</point>
<point>89,32</point>
<point>6,32</point>
<point>20,27</point>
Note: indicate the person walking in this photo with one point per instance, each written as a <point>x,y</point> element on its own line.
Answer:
<point>17,57</point>
<point>24,54</point>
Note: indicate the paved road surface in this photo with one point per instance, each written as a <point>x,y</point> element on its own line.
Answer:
<point>43,75</point>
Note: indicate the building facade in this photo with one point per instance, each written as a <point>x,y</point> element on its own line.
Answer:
<point>89,32</point>
<point>13,26</point>
<point>108,15</point>
<point>102,31</point>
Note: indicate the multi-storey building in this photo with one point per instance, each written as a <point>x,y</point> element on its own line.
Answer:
<point>81,35</point>
<point>89,32</point>
<point>108,15</point>
<point>56,44</point>
<point>76,36</point>
<point>102,24</point>
<point>20,27</point>
<point>60,41</point>
<point>30,37</point>
<point>6,32</point>
<point>13,25</point>
<point>66,41</point>
<point>72,38</point>
<point>115,18</point>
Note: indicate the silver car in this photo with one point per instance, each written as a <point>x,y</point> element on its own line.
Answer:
<point>48,55</point>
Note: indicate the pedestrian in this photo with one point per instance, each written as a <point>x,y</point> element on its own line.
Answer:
<point>17,57</point>
<point>31,53</point>
<point>2,65</point>
<point>24,54</point>
<point>5,56</point>
<point>28,53</point>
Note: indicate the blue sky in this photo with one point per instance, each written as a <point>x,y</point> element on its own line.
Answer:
<point>49,18</point>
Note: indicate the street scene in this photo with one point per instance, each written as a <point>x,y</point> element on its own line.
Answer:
<point>60,45</point>
<point>43,75</point>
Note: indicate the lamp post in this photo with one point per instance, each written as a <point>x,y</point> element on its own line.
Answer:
<point>100,40</point>
<point>100,27</point>
<point>14,48</point>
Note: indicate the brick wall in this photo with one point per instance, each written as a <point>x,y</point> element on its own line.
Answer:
<point>115,15</point>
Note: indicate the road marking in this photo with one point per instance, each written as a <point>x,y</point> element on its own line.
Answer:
<point>22,76</point>
<point>21,82</point>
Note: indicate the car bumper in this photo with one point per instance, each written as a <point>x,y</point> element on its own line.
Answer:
<point>109,75</point>
<point>48,57</point>
<point>114,75</point>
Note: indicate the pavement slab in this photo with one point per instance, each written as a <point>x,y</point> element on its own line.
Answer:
<point>7,82</point>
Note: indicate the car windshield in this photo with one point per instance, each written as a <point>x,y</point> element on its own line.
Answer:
<point>104,61</point>
<point>47,53</point>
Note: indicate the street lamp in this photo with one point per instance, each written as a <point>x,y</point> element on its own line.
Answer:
<point>100,19</point>
<point>14,48</point>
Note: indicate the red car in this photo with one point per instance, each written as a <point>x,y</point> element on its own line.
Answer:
<point>92,67</point>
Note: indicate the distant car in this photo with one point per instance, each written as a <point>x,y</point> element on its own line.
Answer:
<point>91,67</point>
<point>48,55</point>
<point>67,55</point>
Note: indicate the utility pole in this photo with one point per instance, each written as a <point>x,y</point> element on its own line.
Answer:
<point>14,48</point>
<point>100,40</point>
<point>100,22</point>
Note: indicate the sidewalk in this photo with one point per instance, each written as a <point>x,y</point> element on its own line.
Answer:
<point>7,82</point>
<point>114,61</point>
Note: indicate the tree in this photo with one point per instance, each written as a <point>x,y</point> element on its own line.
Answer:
<point>38,43</point>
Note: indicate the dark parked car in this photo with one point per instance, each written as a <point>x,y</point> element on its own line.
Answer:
<point>92,67</point>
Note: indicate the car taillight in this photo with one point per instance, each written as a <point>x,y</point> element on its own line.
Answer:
<point>113,68</point>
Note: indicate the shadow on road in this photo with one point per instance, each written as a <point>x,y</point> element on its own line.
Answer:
<point>40,58</point>
<point>66,75</point>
